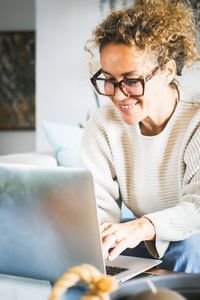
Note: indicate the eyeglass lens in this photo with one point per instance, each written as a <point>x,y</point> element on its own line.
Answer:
<point>132,86</point>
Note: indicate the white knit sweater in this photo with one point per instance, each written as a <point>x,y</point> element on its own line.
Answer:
<point>156,176</point>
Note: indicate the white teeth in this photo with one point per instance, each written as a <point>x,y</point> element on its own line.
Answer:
<point>127,106</point>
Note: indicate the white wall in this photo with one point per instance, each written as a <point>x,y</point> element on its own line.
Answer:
<point>17,15</point>
<point>16,142</point>
<point>64,93</point>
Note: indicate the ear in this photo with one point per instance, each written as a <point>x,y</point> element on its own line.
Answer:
<point>170,71</point>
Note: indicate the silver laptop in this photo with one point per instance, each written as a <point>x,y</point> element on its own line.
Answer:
<point>49,223</point>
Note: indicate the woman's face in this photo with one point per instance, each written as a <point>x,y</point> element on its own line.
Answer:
<point>125,62</point>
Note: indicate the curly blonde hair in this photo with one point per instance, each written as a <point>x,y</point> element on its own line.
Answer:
<point>166,28</point>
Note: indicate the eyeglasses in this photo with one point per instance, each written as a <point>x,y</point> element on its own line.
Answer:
<point>129,87</point>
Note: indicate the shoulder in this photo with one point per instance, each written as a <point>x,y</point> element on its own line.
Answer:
<point>193,130</point>
<point>99,131</point>
<point>104,127</point>
<point>192,141</point>
<point>189,153</point>
<point>105,117</point>
<point>189,84</point>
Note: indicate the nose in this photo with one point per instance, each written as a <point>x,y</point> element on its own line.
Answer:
<point>120,93</point>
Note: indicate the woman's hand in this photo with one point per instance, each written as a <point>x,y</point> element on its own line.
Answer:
<point>125,235</point>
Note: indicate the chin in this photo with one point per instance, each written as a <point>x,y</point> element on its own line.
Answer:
<point>132,117</point>
<point>131,121</point>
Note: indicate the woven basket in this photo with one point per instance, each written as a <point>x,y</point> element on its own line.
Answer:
<point>99,285</point>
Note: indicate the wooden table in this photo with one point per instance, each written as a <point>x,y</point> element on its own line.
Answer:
<point>155,271</point>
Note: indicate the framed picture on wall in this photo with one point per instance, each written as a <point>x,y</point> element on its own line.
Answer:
<point>17,80</point>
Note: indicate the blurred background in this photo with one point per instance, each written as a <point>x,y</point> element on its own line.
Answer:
<point>44,72</point>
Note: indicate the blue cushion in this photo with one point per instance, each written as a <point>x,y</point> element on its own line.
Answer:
<point>126,213</point>
<point>65,140</point>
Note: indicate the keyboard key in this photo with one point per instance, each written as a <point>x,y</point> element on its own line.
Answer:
<point>110,270</point>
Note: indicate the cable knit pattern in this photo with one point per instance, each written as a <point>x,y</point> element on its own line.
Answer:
<point>156,176</point>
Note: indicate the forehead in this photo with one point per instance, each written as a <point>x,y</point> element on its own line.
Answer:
<point>120,59</point>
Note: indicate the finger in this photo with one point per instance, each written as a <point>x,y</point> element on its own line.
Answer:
<point>112,229</point>
<point>121,246</point>
<point>108,242</point>
<point>104,226</point>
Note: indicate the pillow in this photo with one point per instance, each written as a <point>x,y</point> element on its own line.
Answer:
<point>65,140</point>
<point>126,213</point>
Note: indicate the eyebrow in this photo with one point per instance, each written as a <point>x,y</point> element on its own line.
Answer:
<point>123,74</point>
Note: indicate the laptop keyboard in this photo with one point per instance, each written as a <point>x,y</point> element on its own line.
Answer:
<point>110,270</point>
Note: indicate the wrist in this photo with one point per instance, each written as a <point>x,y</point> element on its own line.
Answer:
<point>148,229</point>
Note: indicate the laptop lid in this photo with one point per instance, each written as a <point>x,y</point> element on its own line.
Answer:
<point>48,221</point>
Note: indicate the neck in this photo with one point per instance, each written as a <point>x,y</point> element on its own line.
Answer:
<point>153,125</point>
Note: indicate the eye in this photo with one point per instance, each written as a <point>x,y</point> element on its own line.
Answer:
<point>132,81</point>
<point>109,80</point>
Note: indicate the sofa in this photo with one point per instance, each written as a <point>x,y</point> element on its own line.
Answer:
<point>31,158</point>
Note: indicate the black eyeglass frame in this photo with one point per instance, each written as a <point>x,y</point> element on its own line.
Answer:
<point>119,84</point>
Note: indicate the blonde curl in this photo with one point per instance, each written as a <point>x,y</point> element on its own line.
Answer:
<point>166,28</point>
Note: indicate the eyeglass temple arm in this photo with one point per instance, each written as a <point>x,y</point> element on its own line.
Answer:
<point>153,72</point>
<point>97,74</point>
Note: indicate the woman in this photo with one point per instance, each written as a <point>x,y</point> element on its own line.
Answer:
<point>143,147</point>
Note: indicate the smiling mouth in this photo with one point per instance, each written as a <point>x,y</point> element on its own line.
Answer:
<point>129,106</point>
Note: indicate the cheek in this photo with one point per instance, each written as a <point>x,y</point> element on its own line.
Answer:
<point>160,84</point>
<point>154,88</point>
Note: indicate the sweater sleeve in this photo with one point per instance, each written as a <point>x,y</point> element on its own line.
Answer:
<point>183,220</point>
<point>96,156</point>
